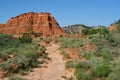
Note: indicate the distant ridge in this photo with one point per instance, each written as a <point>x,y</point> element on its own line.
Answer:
<point>75,29</point>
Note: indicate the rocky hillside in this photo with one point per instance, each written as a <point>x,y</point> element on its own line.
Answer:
<point>43,23</point>
<point>115,26</point>
<point>96,55</point>
<point>74,29</point>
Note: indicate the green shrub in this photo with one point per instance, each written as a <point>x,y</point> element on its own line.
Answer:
<point>70,42</point>
<point>70,64</point>
<point>24,62</point>
<point>96,60</point>
<point>106,54</point>
<point>103,31</point>
<point>82,65</point>
<point>115,65</point>
<point>65,55</point>
<point>40,52</point>
<point>4,55</point>
<point>83,76</point>
<point>89,31</point>
<point>44,56</point>
<point>89,55</point>
<point>114,76</point>
<point>23,53</point>
<point>32,32</point>
<point>26,38</point>
<point>45,39</point>
<point>110,38</point>
<point>24,56</point>
<point>4,39</point>
<point>115,52</point>
<point>101,70</point>
<point>41,49</point>
<point>16,78</point>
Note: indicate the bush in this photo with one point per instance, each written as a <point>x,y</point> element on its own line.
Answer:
<point>106,54</point>
<point>83,76</point>
<point>41,49</point>
<point>81,68</point>
<point>16,78</point>
<point>115,65</point>
<point>45,39</point>
<point>23,62</point>
<point>65,55</point>
<point>19,53</point>
<point>114,76</point>
<point>45,56</point>
<point>26,38</point>
<point>4,39</point>
<point>40,52</point>
<point>7,41</point>
<point>89,55</point>
<point>70,42</point>
<point>70,64</point>
<point>3,55</point>
<point>82,65</point>
<point>95,61</point>
<point>101,70</point>
<point>89,31</point>
<point>110,38</point>
<point>24,57</point>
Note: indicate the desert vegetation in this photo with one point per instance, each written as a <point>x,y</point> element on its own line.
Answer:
<point>95,55</point>
<point>19,55</point>
<point>99,57</point>
<point>16,78</point>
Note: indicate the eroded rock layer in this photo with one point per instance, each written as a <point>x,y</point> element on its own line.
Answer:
<point>43,23</point>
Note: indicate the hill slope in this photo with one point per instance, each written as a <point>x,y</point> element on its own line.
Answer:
<point>74,29</point>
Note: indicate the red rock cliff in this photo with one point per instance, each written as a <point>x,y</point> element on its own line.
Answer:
<point>42,22</point>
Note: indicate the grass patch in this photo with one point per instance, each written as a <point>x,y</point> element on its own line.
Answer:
<point>83,76</point>
<point>101,70</point>
<point>70,64</point>
<point>16,78</point>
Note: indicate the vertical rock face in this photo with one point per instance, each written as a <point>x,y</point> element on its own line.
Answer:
<point>43,23</point>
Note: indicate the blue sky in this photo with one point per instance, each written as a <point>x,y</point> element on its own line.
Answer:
<point>66,12</point>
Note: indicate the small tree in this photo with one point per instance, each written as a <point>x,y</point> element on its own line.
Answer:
<point>104,32</point>
<point>85,31</point>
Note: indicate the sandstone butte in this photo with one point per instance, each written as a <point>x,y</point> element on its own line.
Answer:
<point>43,23</point>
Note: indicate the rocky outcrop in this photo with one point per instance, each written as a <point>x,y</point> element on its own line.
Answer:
<point>43,23</point>
<point>74,29</point>
<point>113,27</point>
<point>2,26</point>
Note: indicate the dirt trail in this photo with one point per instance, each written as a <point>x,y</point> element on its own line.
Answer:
<point>54,69</point>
